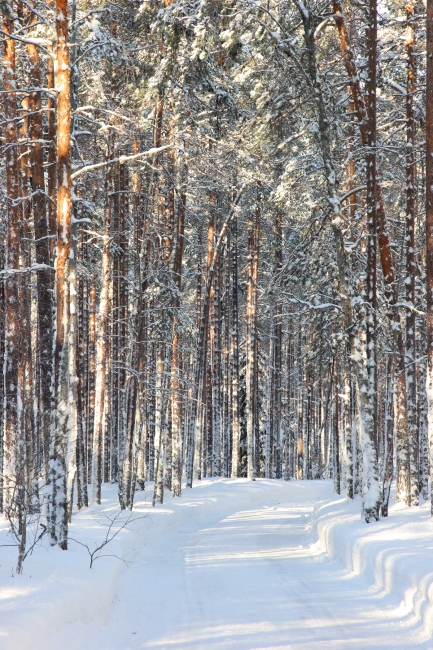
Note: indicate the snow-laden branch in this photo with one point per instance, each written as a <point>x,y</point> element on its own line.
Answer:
<point>28,41</point>
<point>121,160</point>
<point>291,139</point>
<point>310,305</point>
<point>28,269</point>
<point>395,85</point>
<point>354,190</point>
<point>408,305</point>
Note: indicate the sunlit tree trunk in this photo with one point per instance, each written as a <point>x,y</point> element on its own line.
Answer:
<point>63,443</point>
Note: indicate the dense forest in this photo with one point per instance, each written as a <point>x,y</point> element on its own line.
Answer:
<point>213,250</point>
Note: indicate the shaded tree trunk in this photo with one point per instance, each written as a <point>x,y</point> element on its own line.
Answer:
<point>429,229</point>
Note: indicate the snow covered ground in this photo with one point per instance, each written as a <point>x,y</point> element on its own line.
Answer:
<point>232,564</point>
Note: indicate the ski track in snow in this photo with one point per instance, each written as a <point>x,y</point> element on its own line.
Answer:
<point>252,579</point>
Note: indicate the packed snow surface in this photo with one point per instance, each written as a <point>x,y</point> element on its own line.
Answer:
<point>232,564</point>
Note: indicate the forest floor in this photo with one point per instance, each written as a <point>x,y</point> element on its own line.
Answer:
<point>232,564</point>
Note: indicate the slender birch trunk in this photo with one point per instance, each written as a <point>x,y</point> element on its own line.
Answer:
<point>101,331</point>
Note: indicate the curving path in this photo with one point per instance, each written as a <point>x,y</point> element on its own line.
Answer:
<point>248,580</point>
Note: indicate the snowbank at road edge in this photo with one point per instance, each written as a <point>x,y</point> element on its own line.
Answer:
<point>394,554</point>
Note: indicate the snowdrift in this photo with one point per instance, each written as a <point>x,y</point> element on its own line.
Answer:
<point>395,554</point>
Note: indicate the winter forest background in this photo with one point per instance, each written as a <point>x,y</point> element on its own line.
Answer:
<point>213,250</point>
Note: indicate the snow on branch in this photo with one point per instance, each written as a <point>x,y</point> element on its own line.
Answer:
<point>28,269</point>
<point>121,160</point>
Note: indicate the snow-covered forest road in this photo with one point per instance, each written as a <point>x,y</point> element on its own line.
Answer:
<point>252,578</point>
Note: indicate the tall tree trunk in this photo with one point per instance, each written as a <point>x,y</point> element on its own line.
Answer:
<point>270,395</point>
<point>12,356</point>
<point>234,349</point>
<point>411,268</point>
<point>255,337</point>
<point>215,353</point>
<point>348,415</point>
<point>226,408</point>
<point>158,494</point>
<point>278,346</point>
<point>250,350</point>
<point>389,438</point>
<point>91,375</point>
<point>61,447</point>
<point>300,409</point>
<point>336,440</point>
<point>175,363</point>
<point>52,154</point>
<point>101,343</point>
<point>371,164</point>
<point>42,246</point>
<point>429,229</point>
